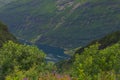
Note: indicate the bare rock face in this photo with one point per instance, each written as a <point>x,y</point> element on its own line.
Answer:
<point>63,4</point>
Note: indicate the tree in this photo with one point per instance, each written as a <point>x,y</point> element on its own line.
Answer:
<point>93,64</point>
<point>22,56</point>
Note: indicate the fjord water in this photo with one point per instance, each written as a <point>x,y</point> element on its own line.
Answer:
<point>54,54</point>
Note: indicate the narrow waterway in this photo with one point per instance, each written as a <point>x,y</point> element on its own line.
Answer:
<point>54,54</point>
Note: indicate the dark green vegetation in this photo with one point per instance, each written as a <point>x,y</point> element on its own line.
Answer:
<point>5,35</point>
<point>20,61</point>
<point>104,42</point>
<point>95,64</point>
<point>62,23</point>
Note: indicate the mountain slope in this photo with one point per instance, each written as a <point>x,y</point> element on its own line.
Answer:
<point>5,35</point>
<point>62,23</point>
<point>104,42</point>
<point>5,2</point>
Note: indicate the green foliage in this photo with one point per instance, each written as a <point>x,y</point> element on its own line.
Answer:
<point>26,62</point>
<point>95,64</point>
<point>23,57</point>
<point>34,73</point>
<point>20,62</point>
<point>22,74</point>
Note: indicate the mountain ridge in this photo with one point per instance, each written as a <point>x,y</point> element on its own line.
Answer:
<point>106,41</point>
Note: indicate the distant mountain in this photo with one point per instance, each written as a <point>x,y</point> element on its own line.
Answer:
<point>104,42</point>
<point>5,35</point>
<point>62,23</point>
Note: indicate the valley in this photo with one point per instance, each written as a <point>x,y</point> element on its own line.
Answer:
<point>60,40</point>
<point>66,24</point>
<point>54,54</point>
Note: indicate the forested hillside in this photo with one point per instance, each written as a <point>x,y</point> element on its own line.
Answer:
<point>104,42</point>
<point>62,23</point>
<point>99,60</point>
<point>5,35</point>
